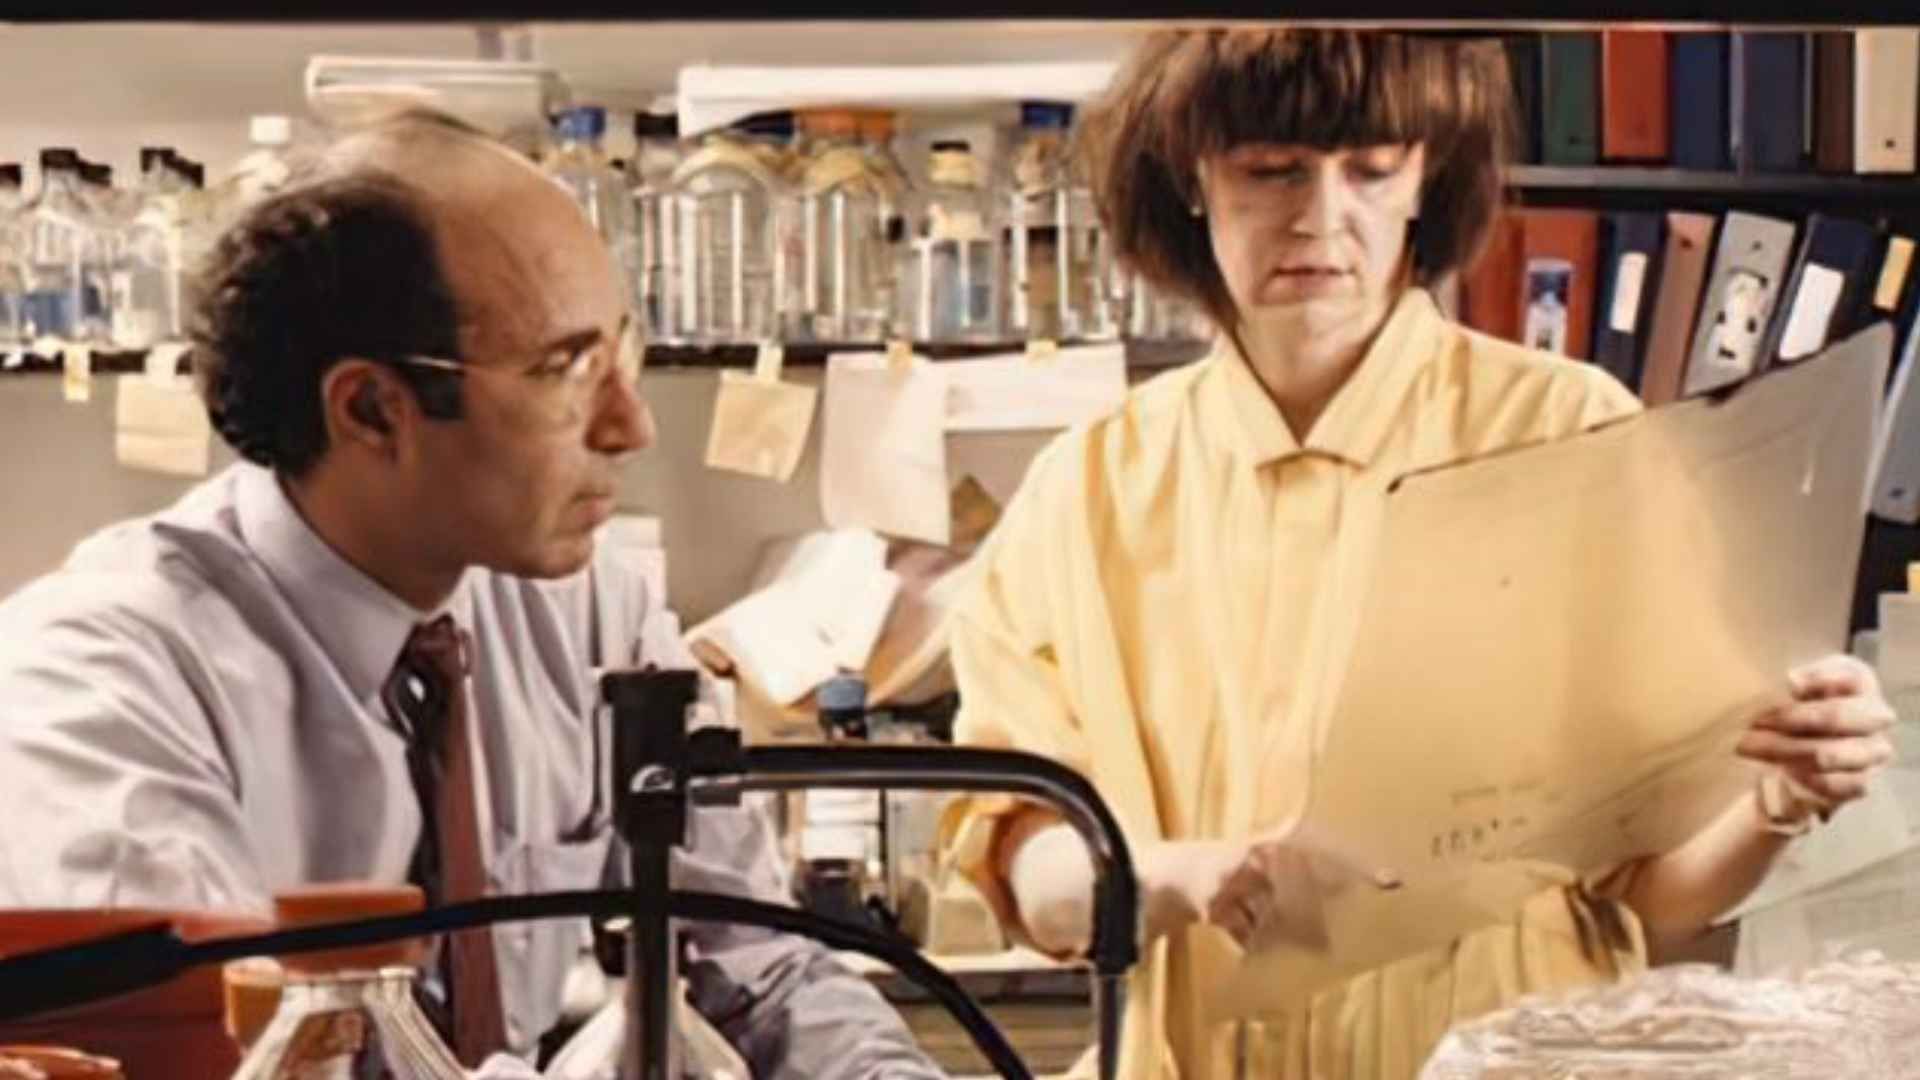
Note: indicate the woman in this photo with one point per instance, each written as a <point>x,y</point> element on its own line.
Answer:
<point>1156,602</point>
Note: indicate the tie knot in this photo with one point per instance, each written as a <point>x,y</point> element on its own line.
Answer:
<point>440,646</point>
<point>431,665</point>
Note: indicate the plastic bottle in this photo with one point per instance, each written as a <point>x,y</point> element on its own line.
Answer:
<point>950,290</point>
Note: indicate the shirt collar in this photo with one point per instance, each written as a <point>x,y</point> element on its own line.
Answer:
<point>359,624</point>
<point>1356,422</point>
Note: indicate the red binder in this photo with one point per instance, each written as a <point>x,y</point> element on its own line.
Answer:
<point>1635,106</point>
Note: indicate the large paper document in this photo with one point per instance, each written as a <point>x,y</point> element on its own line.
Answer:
<point>1035,393</point>
<point>1557,648</point>
<point>883,452</point>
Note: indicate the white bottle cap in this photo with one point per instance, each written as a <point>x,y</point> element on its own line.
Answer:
<point>271,130</point>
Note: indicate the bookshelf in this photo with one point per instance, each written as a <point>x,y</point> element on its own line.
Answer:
<point>1658,183</point>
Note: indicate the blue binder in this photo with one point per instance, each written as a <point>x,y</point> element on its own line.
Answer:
<point>1698,82</point>
<point>1630,248</point>
<point>1767,98</point>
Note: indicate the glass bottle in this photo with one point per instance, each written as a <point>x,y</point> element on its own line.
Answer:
<point>197,235</point>
<point>264,169</point>
<point>950,291</point>
<point>13,257</point>
<point>1057,252</point>
<point>579,164</point>
<point>877,129</point>
<point>657,153</point>
<point>846,203</point>
<point>840,836</point>
<point>1153,315</point>
<point>728,235</point>
<point>344,1014</point>
<point>147,267</point>
<point>109,209</point>
<point>62,250</point>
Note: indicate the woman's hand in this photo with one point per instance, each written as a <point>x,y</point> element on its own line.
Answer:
<point>1831,739</point>
<point>1271,886</point>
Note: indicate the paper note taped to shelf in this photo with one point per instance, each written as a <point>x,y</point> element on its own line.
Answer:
<point>161,425</point>
<point>760,425</point>
<point>883,456</point>
<point>1022,393</point>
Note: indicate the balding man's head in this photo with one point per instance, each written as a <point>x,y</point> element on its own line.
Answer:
<point>411,234</point>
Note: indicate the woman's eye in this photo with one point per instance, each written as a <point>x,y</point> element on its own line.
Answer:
<point>1274,172</point>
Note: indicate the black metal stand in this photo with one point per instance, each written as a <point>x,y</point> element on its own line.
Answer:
<point>660,769</point>
<point>649,756</point>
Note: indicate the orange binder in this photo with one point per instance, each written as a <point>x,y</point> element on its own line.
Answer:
<point>1634,106</point>
<point>1535,284</point>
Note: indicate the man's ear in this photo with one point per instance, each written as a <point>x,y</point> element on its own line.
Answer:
<point>364,405</point>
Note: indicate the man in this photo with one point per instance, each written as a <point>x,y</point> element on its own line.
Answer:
<point>367,652</point>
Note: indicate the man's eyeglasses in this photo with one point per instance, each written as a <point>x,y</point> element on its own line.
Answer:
<point>563,382</point>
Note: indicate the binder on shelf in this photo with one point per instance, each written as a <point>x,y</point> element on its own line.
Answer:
<point>1683,274</point>
<point>1749,268</point>
<point>1833,83</point>
<point>1886,99</point>
<point>1828,273</point>
<point>1698,101</point>
<point>1523,70</point>
<point>1634,98</point>
<point>1766,101</point>
<point>1570,98</point>
<point>1490,288</point>
<point>1630,248</point>
<point>1879,295</point>
<point>1535,284</point>
<point>1894,494</point>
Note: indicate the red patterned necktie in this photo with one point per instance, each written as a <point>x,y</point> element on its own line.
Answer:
<point>427,694</point>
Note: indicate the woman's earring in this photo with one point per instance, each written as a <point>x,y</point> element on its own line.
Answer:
<point>1197,210</point>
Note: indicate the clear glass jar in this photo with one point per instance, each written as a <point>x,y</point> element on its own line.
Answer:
<point>196,229</point>
<point>731,258</point>
<point>847,207</point>
<point>265,169</point>
<point>657,153</point>
<point>13,256</point>
<point>349,1024</point>
<point>148,261</point>
<point>949,290</point>
<point>65,265</point>
<point>579,165</point>
<point>1153,315</point>
<point>1058,258</point>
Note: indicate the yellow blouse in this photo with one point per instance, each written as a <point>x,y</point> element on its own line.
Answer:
<point>1157,608</point>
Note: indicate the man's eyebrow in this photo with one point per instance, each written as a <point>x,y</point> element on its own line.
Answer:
<point>588,337</point>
